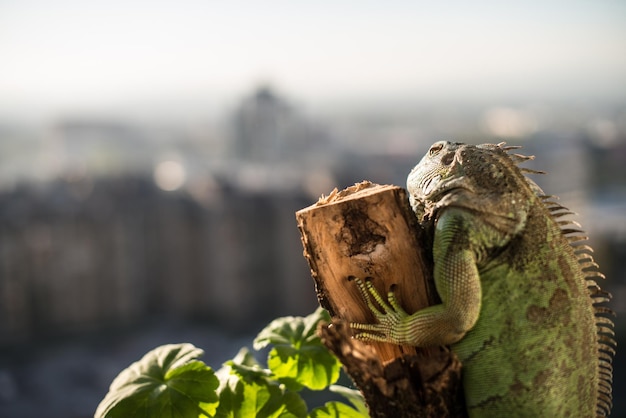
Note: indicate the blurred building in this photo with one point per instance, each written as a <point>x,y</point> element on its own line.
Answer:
<point>268,129</point>
<point>128,252</point>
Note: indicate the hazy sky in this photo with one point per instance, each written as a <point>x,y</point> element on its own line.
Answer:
<point>64,54</point>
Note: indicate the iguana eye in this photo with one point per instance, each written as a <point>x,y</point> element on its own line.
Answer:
<point>435,148</point>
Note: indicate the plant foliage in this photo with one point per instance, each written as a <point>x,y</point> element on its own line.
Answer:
<point>171,382</point>
<point>166,382</point>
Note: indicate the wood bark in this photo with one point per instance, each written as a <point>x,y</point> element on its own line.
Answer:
<point>369,231</point>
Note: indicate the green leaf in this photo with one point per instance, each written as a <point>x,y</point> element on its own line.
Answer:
<point>242,400</point>
<point>354,396</point>
<point>313,367</point>
<point>247,391</point>
<point>291,330</point>
<point>245,366</point>
<point>298,357</point>
<point>336,410</point>
<point>167,382</point>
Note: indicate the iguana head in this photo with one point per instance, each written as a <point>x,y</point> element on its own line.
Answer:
<point>483,179</point>
<point>434,175</point>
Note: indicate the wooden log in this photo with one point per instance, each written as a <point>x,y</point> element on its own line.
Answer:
<point>369,230</point>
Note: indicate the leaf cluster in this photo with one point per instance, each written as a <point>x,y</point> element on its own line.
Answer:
<point>171,382</point>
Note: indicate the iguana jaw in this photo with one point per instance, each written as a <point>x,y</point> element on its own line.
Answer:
<point>435,193</point>
<point>435,188</point>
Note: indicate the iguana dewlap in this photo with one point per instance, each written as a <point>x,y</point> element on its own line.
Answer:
<point>519,303</point>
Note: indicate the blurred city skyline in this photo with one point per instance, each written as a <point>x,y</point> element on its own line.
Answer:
<point>152,156</point>
<point>191,58</point>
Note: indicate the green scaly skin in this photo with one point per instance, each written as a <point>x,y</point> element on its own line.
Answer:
<point>519,304</point>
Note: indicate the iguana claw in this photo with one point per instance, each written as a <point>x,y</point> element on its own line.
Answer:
<point>388,313</point>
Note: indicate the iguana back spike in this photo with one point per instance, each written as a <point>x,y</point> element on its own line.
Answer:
<point>531,171</point>
<point>571,231</point>
<point>599,295</point>
<point>583,249</point>
<point>604,310</point>
<point>520,158</point>
<point>569,222</point>
<point>574,239</point>
<point>507,148</point>
<point>606,355</point>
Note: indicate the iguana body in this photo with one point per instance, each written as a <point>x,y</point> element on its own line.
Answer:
<point>519,301</point>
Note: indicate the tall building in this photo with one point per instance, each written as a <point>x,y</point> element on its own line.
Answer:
<point>268,129</point>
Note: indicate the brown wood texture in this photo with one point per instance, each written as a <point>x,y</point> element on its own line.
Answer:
<point>367,230</point>
<point>426,385</point>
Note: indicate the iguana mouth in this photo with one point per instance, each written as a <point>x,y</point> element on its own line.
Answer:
<point>432,183</point>
<point>445,187</point>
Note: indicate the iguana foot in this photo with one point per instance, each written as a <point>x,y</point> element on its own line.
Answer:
<point>388,313</point>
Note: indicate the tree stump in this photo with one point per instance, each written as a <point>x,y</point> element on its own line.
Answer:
<point>369,231</point>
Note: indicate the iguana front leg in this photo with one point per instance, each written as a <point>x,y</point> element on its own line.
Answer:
<point>457,282</point>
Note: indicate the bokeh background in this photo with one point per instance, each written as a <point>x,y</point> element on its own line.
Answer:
<point>153,153</point>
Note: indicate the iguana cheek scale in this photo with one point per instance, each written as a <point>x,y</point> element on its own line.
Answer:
<point>519,303</point>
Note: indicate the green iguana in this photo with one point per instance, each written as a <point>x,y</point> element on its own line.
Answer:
<point>519,303</point>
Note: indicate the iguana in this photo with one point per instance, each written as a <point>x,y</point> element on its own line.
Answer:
<point>519,303</point>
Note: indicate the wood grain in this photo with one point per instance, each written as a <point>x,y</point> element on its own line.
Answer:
<point>367,230</point>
